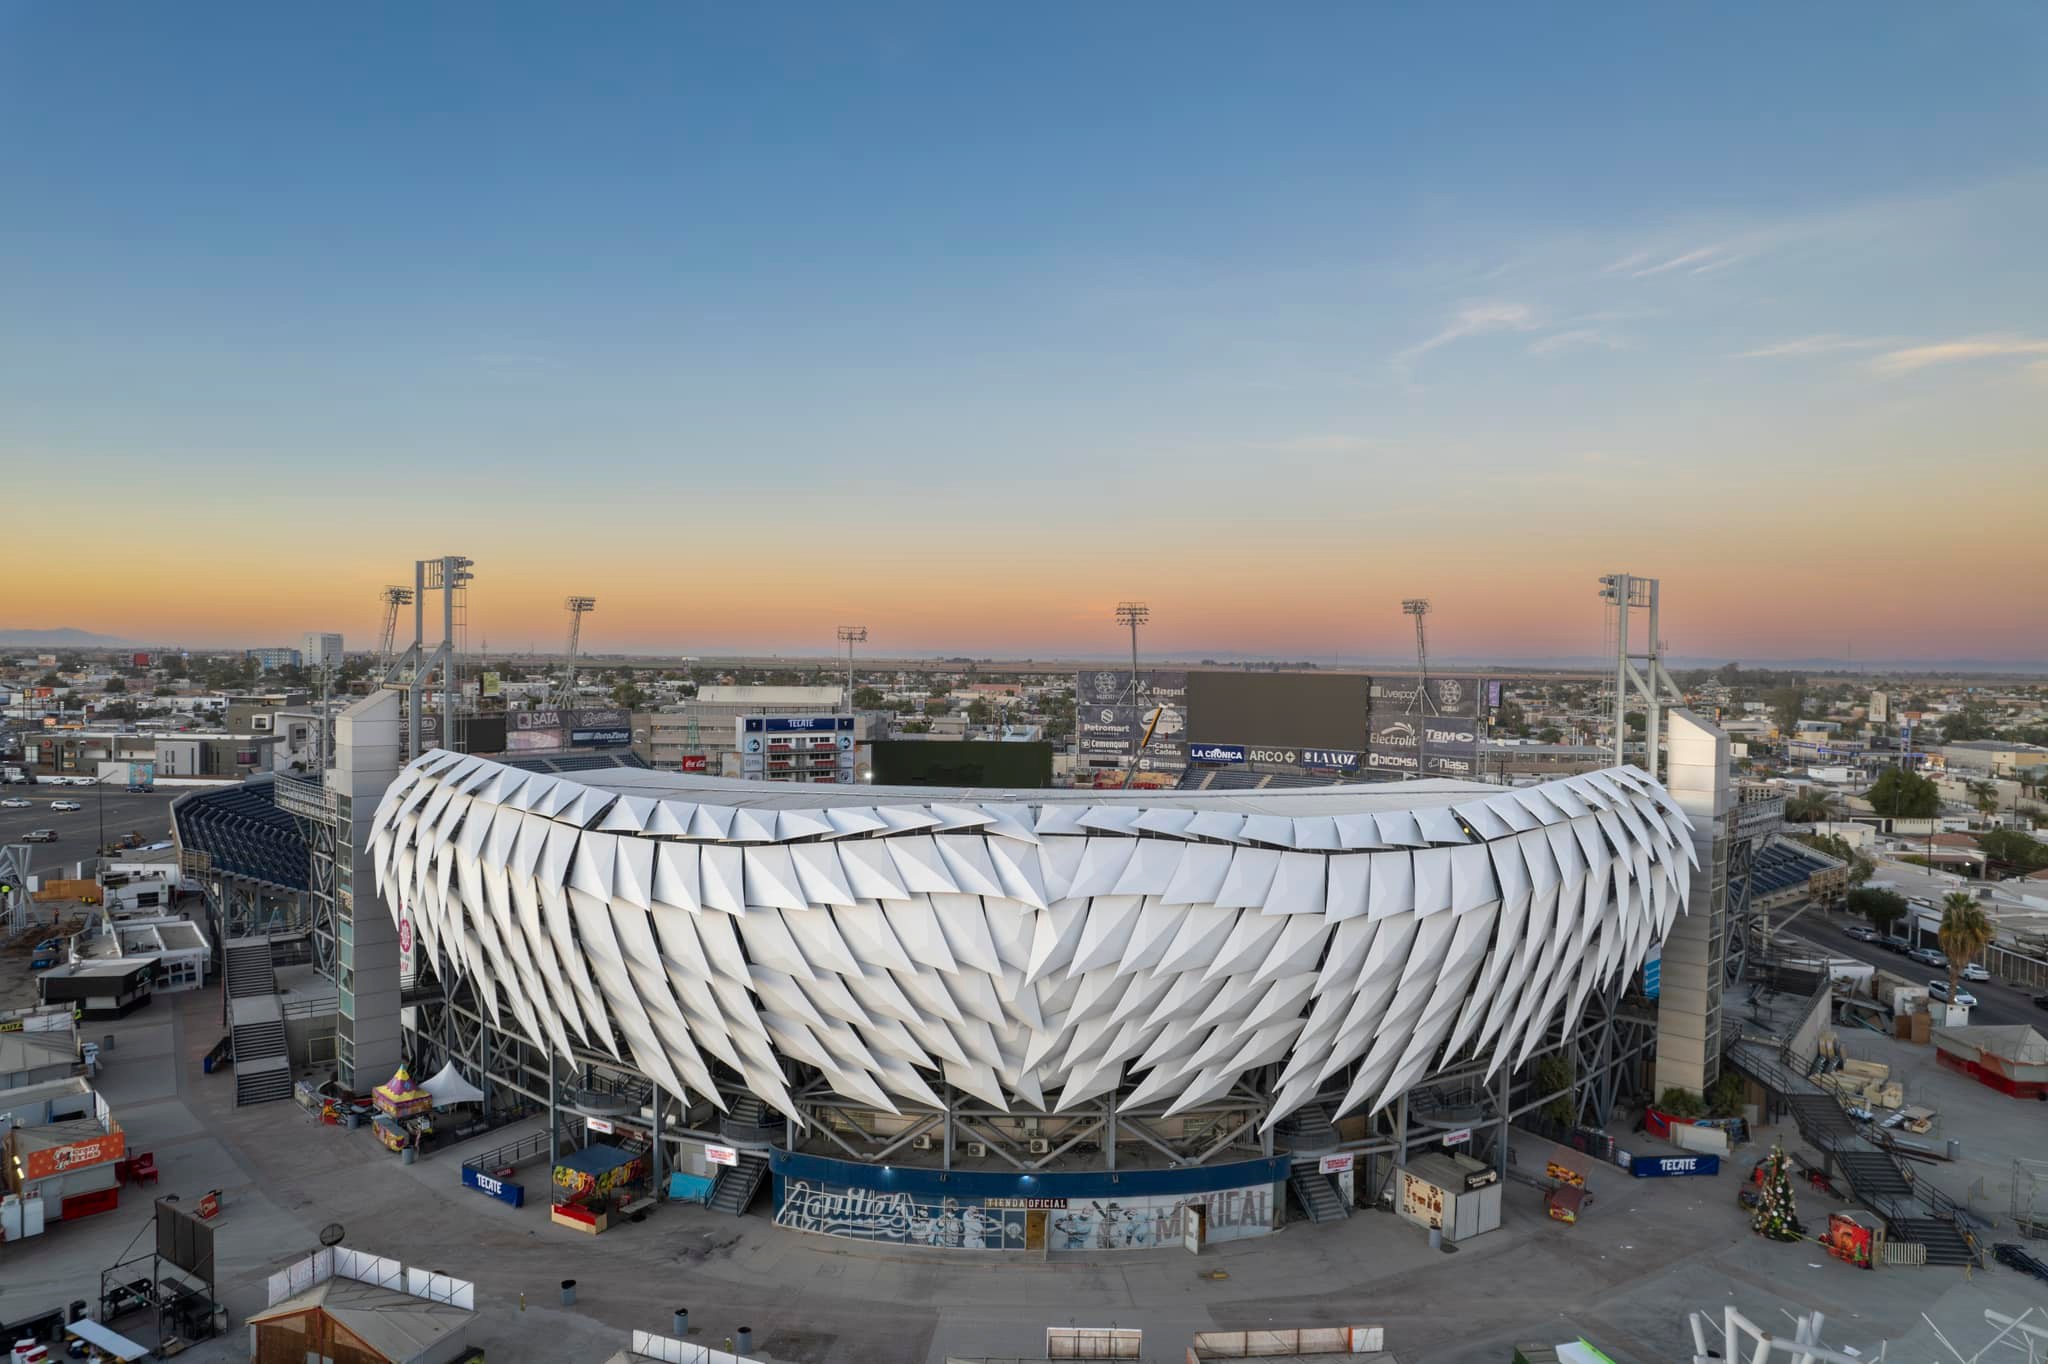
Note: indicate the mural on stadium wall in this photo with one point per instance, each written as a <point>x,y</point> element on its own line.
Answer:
<point>1077,1224</point>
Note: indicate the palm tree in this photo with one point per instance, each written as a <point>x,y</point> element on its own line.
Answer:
<point>1807,807</point>
<point>1986,794</point>
<point>1964,934</point>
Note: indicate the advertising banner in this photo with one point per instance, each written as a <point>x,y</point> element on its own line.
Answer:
<point>720,1155</point>
<point>1661,1167</point>
<point>534,740</point>
<point>504,1190</point>
<point>593,738</point>
<point>1216,753</point>
<point>696,762</point>
<point>1440,696</point>
<point>1108,731</point>
<point>57,1160</point>
<point>1330,759</point>
<point>1107,686</point>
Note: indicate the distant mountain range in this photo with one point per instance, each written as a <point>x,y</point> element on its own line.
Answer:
<point>58,639</point>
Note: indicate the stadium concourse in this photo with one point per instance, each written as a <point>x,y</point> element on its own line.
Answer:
<point>924,1014</point>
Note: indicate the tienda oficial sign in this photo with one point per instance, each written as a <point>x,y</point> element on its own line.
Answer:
<point>57,1160</point>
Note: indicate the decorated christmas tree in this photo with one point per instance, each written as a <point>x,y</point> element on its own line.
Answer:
<point>1777,1216</point>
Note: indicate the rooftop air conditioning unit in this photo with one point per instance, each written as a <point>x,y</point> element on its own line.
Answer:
<point>1041,1146</point>
<point>921,1143</point>
<point>977,1148</point>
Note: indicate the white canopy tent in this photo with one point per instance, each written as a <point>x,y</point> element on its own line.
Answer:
<point>448,1088</point>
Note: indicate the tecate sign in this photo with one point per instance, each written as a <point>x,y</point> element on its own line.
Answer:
<point>1661,1167</point>
<point>1215,753</point>
<point>504,1190</point>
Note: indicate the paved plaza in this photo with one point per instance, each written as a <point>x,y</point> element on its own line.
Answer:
<point>1645,1252</point>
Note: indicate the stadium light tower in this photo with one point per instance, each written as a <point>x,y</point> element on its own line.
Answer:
<point>1624,592</point>
<point>850,635</point>
<point>578,608</point>
<point>1133,614</point>
<point>1418,607</point>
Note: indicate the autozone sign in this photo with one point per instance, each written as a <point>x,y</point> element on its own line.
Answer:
<point>57,1160</point>
<point>721,1155</point>
<point>1334,1165</point>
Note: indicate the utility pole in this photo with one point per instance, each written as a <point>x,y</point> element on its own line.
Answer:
<point>850,635</point>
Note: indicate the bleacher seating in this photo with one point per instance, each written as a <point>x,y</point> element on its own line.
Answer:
<point>245,834</point>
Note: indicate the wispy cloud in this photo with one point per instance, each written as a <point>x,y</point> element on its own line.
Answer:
<point>1698,261</point>
<point>1476,320</point>
<point>1827,343</point>
<point>1958,352</point>
<point>1327,443</point>
<point>1559,342</point>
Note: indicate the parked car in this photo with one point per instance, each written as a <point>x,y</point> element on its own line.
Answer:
<point>65,805</point>
<point>1939,989</point>
<point>1860,933</point>
<point>1929,956</point>
<point>16,803</point>
<point>1975,971</point>
<point>40,836</point>
<point>1897,944</point>
<point>2041,1001</point>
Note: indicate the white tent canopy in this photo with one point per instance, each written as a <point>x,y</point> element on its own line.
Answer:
<point>448,1087</point>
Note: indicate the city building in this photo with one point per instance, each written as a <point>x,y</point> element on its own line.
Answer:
<point>1995,757</point>
<point>323,650</point>
<point>267,659</point>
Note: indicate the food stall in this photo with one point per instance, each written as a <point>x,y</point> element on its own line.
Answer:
<point>402,1109</point>
<point>1454,1193</point>
<point>587,1183</point>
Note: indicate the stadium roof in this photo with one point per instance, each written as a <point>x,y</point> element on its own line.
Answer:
<point>774,795</point>
<point>1034,948</point>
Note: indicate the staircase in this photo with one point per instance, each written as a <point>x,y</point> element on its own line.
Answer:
<point>263,1068</point>
<point>1913,1210</point>
<point>1316,1191</point>
<point>249,968</point>
<point>1308,1128</point>
<point>737,1184</point>
<point>750,1120</point>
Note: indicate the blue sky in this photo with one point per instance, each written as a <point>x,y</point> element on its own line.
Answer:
<point>1473,300</point>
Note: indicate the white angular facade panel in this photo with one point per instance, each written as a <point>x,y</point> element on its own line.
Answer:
<point>1032,951</point>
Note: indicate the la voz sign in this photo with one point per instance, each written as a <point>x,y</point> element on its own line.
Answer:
<point>504,1190</point>
<point>1660,1167</point>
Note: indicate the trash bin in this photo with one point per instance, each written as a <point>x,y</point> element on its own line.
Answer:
<point>681,1322</point>
<point>352,1121</point>
<point>746,1341</point>
<point>108,1043</point>
<point>206,1065</point>
<point>408,1155</point>
<point>568,1292</point>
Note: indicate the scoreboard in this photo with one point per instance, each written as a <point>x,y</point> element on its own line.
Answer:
<point>809,748</point>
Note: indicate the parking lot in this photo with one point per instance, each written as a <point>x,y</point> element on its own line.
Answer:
<point>78,831</point>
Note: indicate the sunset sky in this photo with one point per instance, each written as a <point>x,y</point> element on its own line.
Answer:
<point>965,321</point>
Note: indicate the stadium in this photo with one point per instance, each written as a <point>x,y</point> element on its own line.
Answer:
<point>1012,1019</point>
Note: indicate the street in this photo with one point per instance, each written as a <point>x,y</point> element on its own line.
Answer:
<point>78,830</point>
<point>1997,1003</point>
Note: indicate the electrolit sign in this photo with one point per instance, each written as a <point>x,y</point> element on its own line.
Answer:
<point>1215,753</point>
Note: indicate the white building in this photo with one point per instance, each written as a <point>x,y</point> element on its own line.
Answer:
<point>323,650</point>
